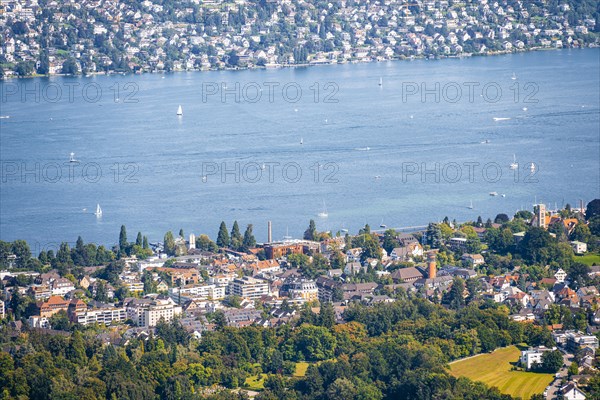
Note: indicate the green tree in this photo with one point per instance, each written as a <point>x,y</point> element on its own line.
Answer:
<point>552,361</point>
<point>501,219</point>
<point>341,389</point>
<point>434,236</point>
<point>582,233</point>
<point>169,243</point>
<point>60,321</point>
<point>139,239</point>
<point>455,295</point>
<point>18,304</point>
<point>223,236</point>
<point>123,244</point>
<point>327,315</point>
<point>535,245</point>
<point>315,343</point>
<point>249,240</point>
<point>204,243</point>
<point>573,369</point>
<point>311,232</point>
<point>592,209</point>
<point>21,250</point>
<point>236,237</point>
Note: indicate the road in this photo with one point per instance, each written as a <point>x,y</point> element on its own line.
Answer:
<point>555,385</point>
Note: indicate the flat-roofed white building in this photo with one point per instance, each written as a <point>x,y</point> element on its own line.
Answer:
<point>249,288</point>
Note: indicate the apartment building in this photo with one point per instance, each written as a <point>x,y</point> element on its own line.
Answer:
<point>249,288</point>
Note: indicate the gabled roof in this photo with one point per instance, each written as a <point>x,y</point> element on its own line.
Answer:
<point>407,273</point>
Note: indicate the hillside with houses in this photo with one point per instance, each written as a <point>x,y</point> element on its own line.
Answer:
<point>535,277</point>
<point>51,37</point>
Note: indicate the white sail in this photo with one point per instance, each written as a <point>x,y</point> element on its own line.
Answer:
<point>180,110</point>
<point>514,164</point>
<point>380,81</point>
<point>98,211</point>
<point>324,214</point>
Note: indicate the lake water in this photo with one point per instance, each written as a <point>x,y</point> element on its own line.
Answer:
<point>401,154</point>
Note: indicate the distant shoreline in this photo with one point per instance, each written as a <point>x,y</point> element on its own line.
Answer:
<point>281,66</point>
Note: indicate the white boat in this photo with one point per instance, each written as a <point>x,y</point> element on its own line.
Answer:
<point>532,167</point>
<point>263,166</point>
<point>98,212</point>
<point>179,110</point>
<point>501,118</point>
<point>323,214</point>
<point>514,77</point>
<point>471,205</point>
<point>4,116</point>
<point>524,108</point>
<point>485,141</point>
<point>377,177</point>
<point>514,164</point>
<point>382,225</point>
<point>503,195</point>
<point>301,141</point>
<point>493,193</point>
<point>380,81</point>
<point>72,158</point>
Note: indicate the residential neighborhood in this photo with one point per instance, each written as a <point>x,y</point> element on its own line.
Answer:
<point>106,36</point>
<point>202,285</point>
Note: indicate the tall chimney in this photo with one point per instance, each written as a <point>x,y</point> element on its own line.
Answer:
<point>431,265</point>
<point>269,233</point>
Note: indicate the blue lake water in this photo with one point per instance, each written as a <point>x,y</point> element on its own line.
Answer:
<point>386,154</point>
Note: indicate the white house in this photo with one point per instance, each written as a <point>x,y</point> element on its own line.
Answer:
<point>579,247</point>
<point>533,355</point>
<point>571,392</point>
<point>560,275</point>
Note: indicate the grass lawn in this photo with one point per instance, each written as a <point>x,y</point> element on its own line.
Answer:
<point>255,382</point>
<point>589,259</point>
<point>494,370</point>
<point>301,368</point>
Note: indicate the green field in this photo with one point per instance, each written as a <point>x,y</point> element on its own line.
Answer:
<point>589,259</point>
<point>301,368</point>
<point>494,370</point>
<point>255,382</point>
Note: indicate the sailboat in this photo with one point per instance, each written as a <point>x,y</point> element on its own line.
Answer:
<point>180,110</point>
<point>471,205</point>
<point>514,77</point>
<point>532,167</point>
<point>324,214</point>
<point>287,234</point>
<point>380,81</point>
<point>72,158</point>
<point>382,225</point>
<point>514,164</point>
<point>98,212</point>
<point>301,141</point>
